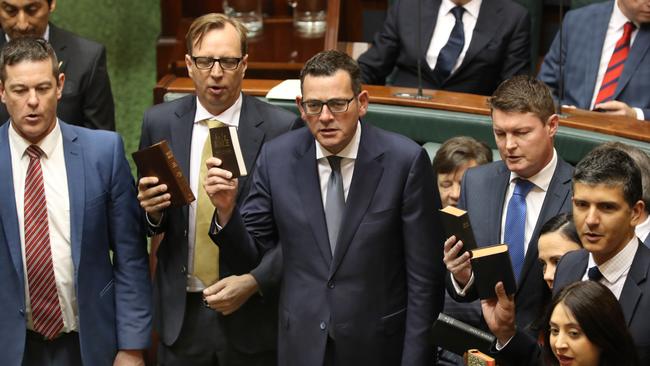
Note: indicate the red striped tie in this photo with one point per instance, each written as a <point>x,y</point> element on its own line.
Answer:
<point>46,310</point>
<point>615,66</point>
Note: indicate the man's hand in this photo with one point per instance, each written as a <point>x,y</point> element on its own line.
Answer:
<point>499,314</point>
<point>616,108</point>
<point>230,293</point>
<point>129,358</point>
<point>222,190</point>
<point>153,197</point>
<point>459,266</point>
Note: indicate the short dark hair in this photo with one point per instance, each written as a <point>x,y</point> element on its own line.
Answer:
<point>600,317</point>
<point>327,63</point>
<point>205,23</point>
<point>27,48</point>
<point>523,94</point>
<point>610,166</point>
<point>458,151</point>
<point>642,161</point>
<point>562,224</point>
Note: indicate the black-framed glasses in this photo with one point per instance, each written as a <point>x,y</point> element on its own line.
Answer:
<point>206,63</point>
<point>336,105</point>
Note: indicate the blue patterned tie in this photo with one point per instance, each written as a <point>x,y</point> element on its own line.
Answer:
<point>334,201</point>
<point>451,51</point>
<point>594,274</point>
<point>515,228</point>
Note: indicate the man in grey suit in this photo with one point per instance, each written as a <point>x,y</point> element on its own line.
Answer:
<point>606,58</point>
<point>524,125</point>
<point>87,98</point>
<point>607,206</point>
<point>191,333</point>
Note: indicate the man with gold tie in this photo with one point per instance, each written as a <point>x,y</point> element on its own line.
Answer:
<point>243,329</point>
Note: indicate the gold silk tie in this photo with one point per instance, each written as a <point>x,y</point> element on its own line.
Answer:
<point>206,253</point>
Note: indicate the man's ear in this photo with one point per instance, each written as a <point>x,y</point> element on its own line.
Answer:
<point>2,92</point>
<point>59,85</point>
<point>637,210</point>
<point>52,6</point>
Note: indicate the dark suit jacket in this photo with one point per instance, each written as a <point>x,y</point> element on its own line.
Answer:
<point>87,99</point>
<point>483,191</point>
<point>634,299</point>
<point>253,328</point>
<point>500,48</point>
<point>377,296</point>
<point>113,292</point>
<point>584,34</point>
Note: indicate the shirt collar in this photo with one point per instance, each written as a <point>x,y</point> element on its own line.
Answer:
<point>619,19</point>
<point>47,144</point>
<point>227,117</point>
<point>472,7</point>
<point>543,178</point>
<point>350,151</point>
<point>619,264</point>
<point>46,35</point>
<point>643,229</point>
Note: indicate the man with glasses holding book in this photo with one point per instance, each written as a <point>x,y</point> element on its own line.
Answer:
<point>238,325</point>
<point>354,209</point>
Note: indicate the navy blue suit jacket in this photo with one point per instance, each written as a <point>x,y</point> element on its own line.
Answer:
<point>483,191</point>
<point>113,294</point>
<point>500,48</point>
<point>634,299</point>
<point>584,34</point>
<point>252,328</point>
<point>380,291</point>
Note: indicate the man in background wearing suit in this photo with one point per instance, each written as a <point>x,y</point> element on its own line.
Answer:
<point>467,46</point>
<point>606,58</point>
<point>353,208</point>
<point>607,204</point>
<point>73,257</point>
<point>87,99</point>
<point>509,200</point>
<point>189,265</point>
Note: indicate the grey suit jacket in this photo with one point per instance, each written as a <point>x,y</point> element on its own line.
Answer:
<point>253,328</point>
<point>87,99</point>
<point>634,299</point>
<point>483,191</point>
<point>500,47</point>
<point>584,34</point>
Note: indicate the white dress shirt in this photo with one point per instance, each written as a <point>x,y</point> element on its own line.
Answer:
<point>615,270</point>
<point>614,33</point>
<point>55,181</point>
<point>348,155</point>
<point>445,24</point>
<point>200,132</point>
<point>643,229</point>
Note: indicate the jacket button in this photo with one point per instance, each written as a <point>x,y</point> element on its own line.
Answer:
<point>323,326</point>
<point>22,312</point>
<point>331,284</point>
<point>183,269</point>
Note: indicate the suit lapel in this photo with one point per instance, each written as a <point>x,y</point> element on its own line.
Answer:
<point>366,176</point>
<point>308,187</point>
<point>8,207</point>
<point>60,47</point>
<point>593,48</point>
<point>632,288</point>
<point>501,180</point>
<point>637,53</point>
<point>557,194</point>
<point>428,20</point>
<point>180,139</point>
<point>250,135</point>
<point>484,31</point>
<point>74,167</point>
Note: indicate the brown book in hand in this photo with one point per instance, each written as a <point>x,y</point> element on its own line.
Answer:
<point>225,146</point>
<point>490,265</point>
<point>456,222</point>
<point>158,161</point>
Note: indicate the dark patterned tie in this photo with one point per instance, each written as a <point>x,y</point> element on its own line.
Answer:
<point>335,201</point>
<point>515,229</point>
<point>594,274</point>
<point>46,310</point>
<point>451,51</point>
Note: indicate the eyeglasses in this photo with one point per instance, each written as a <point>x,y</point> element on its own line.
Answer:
<point>335,105</point>
<point>206,63</point>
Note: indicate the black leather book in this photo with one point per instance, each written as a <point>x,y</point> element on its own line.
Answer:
<point>458,337</point>
<point>456,222</point>
<point>225,146</point>
<point>490,265</point>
